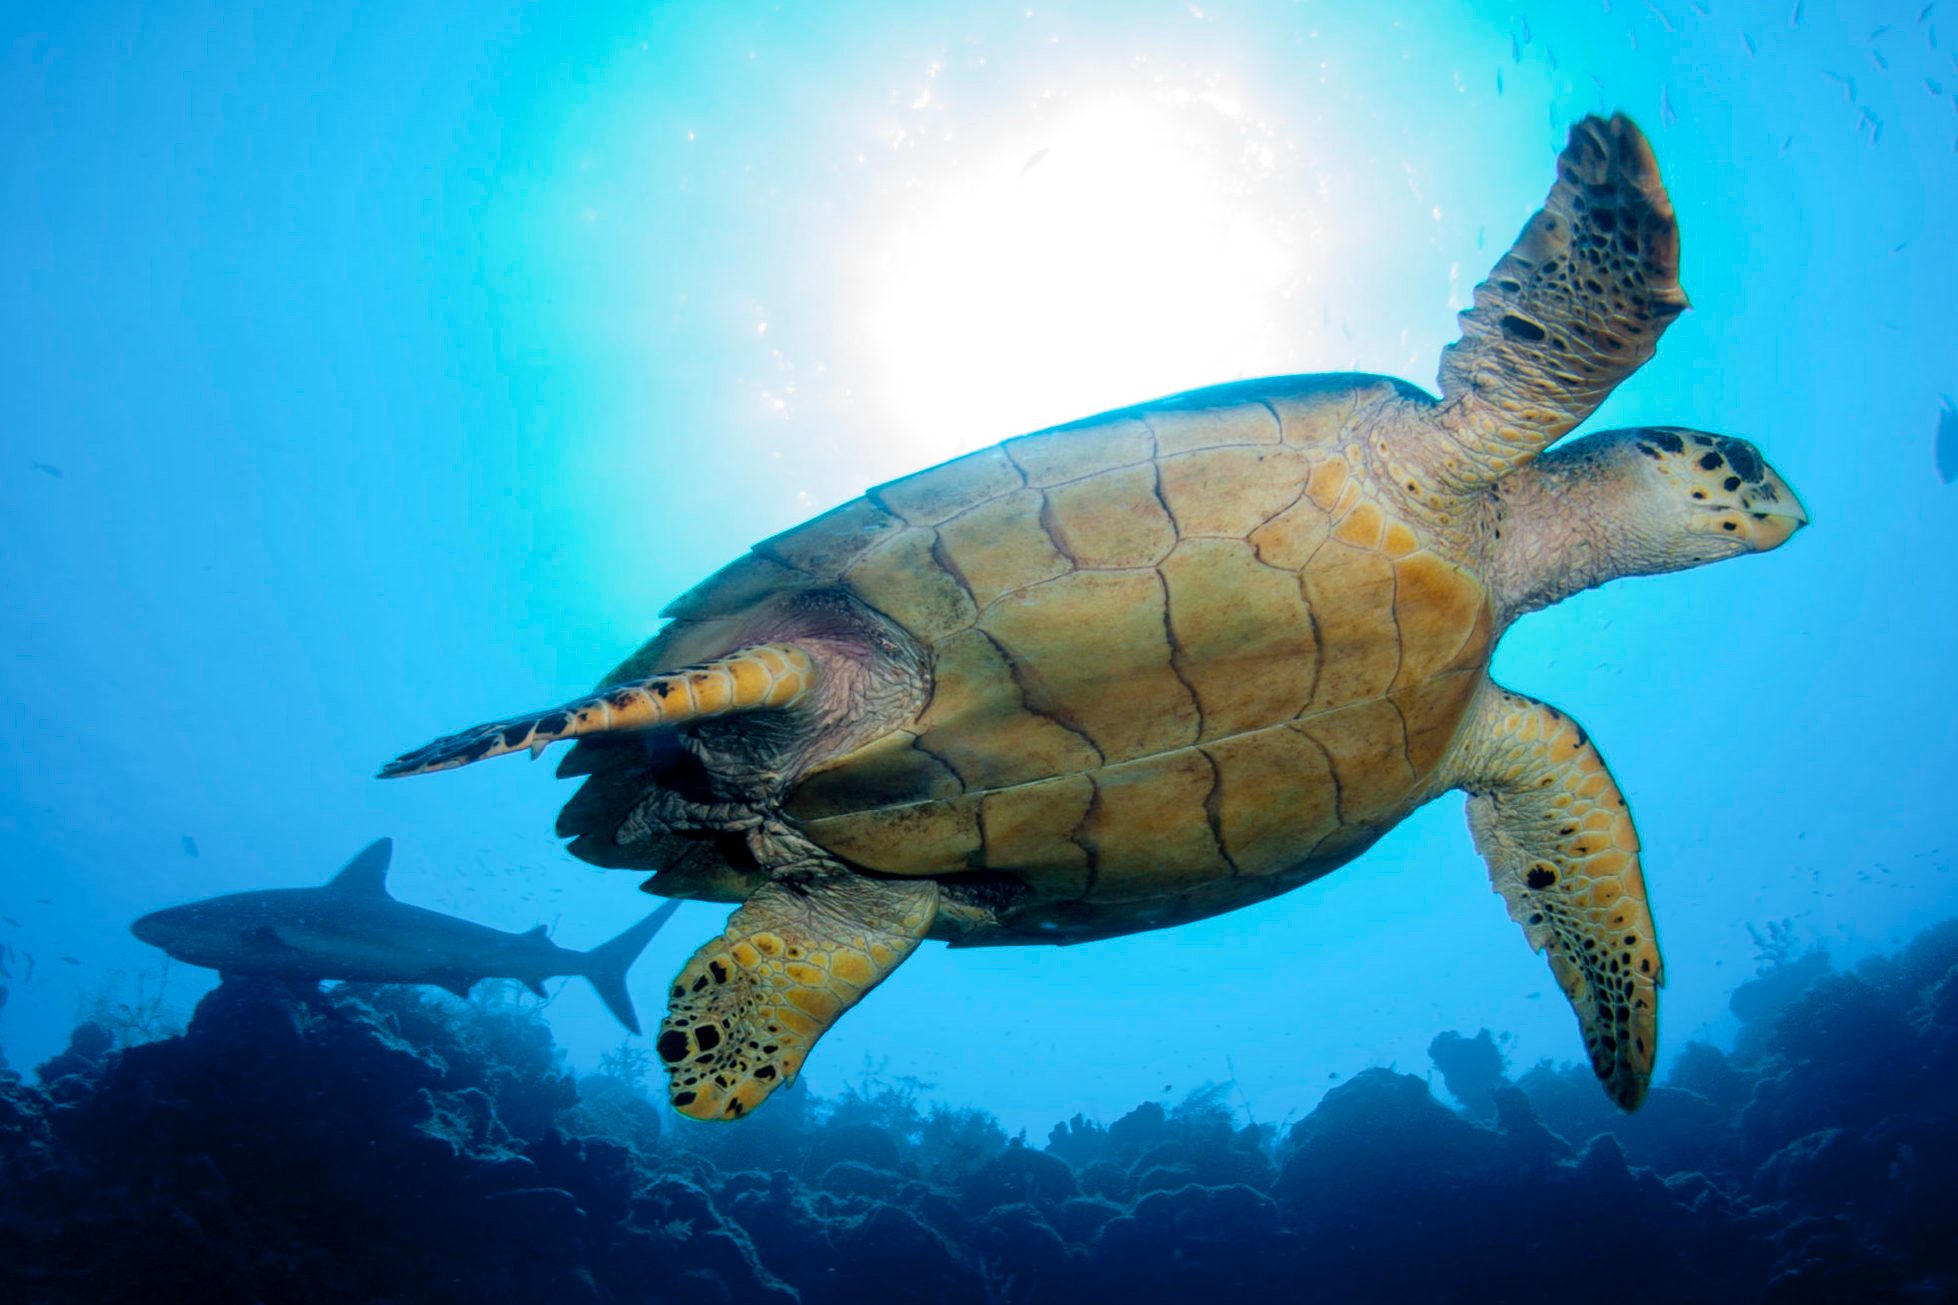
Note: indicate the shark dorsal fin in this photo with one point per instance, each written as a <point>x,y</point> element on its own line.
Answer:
<point>540,932</point>
<point>366,874</point>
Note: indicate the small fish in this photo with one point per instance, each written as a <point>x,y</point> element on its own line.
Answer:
<point>1924,14</point>
<point>1702,10</point>
<point>1880,61</point>
<point>1665,107</point>
<point>1526,29</point>
<point>1934,87</point>
<point>1748,41</point>
<point>1795,19</point>
<point>1876,32</point>
<point>1515,50</point>
<point>69,960</point>
<point>1481,234</point>
<point>48,469</point>
<point>1787,144</point>
<point>1900,247</point>
<point>1947,445</point>
<point>1664,21</point>
<point>1499,81</point>
<point>1874,123</point>
<point>190,846</point>
<point>8,919</point>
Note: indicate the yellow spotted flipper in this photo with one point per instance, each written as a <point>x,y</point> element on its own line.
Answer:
<point>746,1010</point>
<point>1551,823</point>
<point>764,677</point>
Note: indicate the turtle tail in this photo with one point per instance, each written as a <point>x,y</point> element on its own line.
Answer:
<point>768,676</point>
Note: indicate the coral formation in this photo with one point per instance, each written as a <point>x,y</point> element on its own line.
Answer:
<point>369,1144</point>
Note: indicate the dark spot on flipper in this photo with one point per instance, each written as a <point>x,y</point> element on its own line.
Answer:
<point>1730,525</point>
<point>765,1072</point>
<point>700,983</point>
<point>734,1108</point>
<point>1730,484</point>
<point>718,970</point>
<point>1522,328</point>
<point>672,1046</point>
<point>1666,440</point>
<point>1540,878</point>
<point>707,1037</point>
<point>1712,461</point>
<point>685,1098</point>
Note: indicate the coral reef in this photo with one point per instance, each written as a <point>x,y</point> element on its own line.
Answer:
<point>379,1145</point>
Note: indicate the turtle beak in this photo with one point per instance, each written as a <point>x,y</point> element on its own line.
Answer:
<point>1773,512</point>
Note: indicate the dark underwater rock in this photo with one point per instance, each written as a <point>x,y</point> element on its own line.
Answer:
<point>379,1146</point>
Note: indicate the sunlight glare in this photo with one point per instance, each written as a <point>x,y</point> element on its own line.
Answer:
<point>1149,245</point>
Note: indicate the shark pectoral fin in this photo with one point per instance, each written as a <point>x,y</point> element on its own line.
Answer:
<point>749,1006</point>
<point>267,935</point>
<point>456,983</point>
<point>1561,849</point>
<point>535,985</point>
<point>765,677</point>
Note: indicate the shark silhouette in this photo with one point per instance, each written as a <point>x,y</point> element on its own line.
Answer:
<point>350,928</point>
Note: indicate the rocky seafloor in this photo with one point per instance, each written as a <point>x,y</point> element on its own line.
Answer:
<point>378,1145</point>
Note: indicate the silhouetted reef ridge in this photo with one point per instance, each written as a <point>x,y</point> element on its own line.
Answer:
<point>376,1145</point>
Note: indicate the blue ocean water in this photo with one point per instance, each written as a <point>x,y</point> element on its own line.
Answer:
<point>376,371</point>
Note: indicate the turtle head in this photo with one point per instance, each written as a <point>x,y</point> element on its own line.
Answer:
<point>1700,497</point>
<point>1641,501</point>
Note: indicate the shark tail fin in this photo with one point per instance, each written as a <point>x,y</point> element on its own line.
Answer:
<point>607,963</point>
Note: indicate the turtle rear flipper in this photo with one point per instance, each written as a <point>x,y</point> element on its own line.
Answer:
<point>765,677</point>
<point>749,1006</point>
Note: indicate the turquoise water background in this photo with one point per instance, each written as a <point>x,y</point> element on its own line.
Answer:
<point>371,373</point>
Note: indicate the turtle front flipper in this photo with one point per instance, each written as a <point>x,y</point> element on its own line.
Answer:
<point>1562,851</point>
<point>769,676</point>
<point>1574,307</point>
<point>748,1007</point>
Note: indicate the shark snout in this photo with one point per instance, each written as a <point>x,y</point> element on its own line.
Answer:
<point>153,929</point>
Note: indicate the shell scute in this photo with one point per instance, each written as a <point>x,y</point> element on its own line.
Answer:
<point>1242,635</point>
<point>1000,545</point>
<point>1275,798</point>
<point>1055,457</point>
<point>1366,746</point>
<point>1112,519</point>
<point>1229,492</point>
<point>979,725</point>
<point>1185,430</point>
<point>1437,608</point>
<point>902,578</point>
<point>937,493</point>
<point>1030,829</point>
<point>1351,593</point>
<point>1120,690</point>
<point>922,838</point>
<point>825,546</point>
<point>1150,826</point>
<point>885,772</point>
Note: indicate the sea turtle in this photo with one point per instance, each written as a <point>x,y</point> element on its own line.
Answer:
<point>1169,661</point>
